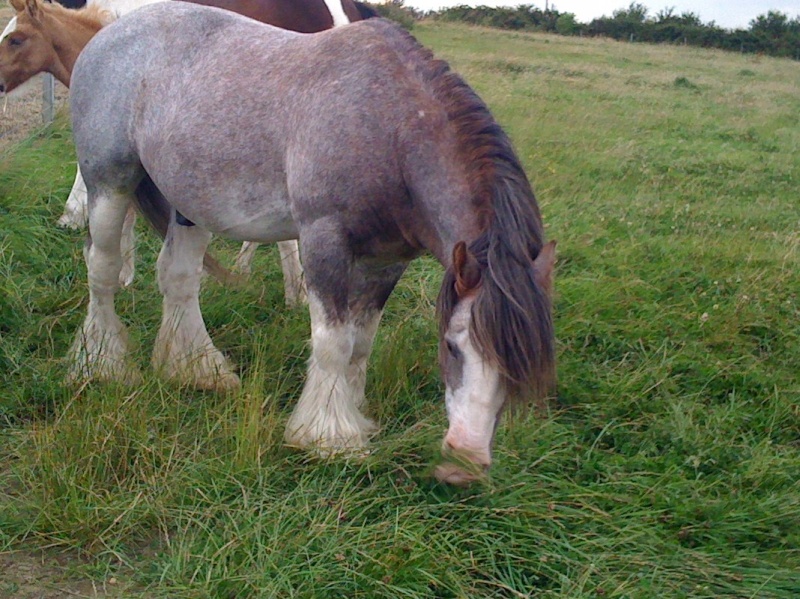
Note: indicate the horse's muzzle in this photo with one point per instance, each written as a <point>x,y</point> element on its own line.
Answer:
<point>462,467</point>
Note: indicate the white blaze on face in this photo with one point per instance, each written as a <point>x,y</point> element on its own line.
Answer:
<point>12,26</point>
<point>474,392</point>
<point>337,12</point>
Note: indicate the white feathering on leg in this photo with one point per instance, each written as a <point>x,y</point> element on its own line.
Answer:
<point>327,416</point>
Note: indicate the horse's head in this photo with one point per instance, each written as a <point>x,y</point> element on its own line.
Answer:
<point>477,381</point>
<point>45,37</point>
<point>23,50</point>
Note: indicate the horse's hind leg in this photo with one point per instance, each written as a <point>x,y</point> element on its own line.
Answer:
<point>76,215</point>
<point>101,347</point>
<point>184,351</point>
<point>244,261</point>
<point>327,416</point>
<point>294,286</point>
<point>76,212</point>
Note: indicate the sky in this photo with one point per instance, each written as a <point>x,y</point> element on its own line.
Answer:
<point>731,14</point>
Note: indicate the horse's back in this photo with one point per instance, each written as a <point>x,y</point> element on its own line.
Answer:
<point>214,51</point>
<point>279,113</point>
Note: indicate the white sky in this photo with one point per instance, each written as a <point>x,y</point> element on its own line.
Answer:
<point>730,14</point>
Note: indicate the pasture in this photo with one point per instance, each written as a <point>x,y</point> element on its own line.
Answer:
<point>668,467</point>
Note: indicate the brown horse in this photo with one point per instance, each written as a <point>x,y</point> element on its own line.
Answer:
<point>44,37</point>
<point>304,16</point>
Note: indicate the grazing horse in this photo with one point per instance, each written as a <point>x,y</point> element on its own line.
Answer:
<point>43,37</point>
<point>370,164</point>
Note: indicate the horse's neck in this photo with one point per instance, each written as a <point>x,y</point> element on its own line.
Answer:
<point>69,34</point>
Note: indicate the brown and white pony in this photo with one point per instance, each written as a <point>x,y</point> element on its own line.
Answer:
<point>45,37</point>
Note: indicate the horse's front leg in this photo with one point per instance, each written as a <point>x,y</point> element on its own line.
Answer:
<point>327,417</point>
<point>100,350</point>
<point>183,350</point>
<point>346,302</point>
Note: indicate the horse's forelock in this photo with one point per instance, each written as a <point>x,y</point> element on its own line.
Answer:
<point>511,318</point>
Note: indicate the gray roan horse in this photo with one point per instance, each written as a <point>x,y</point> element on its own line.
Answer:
<point>356,141</point>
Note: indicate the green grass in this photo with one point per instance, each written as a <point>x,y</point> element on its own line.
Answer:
<point>669,177</point>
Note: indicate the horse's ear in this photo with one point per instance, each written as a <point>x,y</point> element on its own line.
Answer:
<point>466,269</point>
<point>18,5</point>
<point>32,6</point>
<point>543,266</point>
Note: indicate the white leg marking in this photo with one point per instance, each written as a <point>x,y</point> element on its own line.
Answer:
<point>327,417</point>
<point>101,346</point>
<point>128,248</point>
<point>337,12</point>
<point>183,350</point>
<point>362,347</point>
<point>294,285</point>
<point>75,212</point>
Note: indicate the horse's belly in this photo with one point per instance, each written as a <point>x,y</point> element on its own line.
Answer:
<point>266,229</point>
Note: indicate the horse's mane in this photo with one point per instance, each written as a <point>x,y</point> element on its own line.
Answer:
<point>91,15</point>
<point>511,317</point>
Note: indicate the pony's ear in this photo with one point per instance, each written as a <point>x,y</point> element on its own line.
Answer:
<point>466,269</point>
<point>32,7</point>
<point>543,267</point>
<point>18,5</point>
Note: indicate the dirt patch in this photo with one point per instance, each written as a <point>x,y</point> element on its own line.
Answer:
<point>50,575</point>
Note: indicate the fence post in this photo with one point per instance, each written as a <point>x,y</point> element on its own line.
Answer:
<point>48,98</point>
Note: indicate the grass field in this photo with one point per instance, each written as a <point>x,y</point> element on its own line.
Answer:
<point>670,177</point>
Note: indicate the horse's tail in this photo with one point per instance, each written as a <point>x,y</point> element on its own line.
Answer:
<point>366,11</point>
<point>156,210</point>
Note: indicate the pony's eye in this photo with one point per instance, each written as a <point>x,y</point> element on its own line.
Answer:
<point>15,41</point>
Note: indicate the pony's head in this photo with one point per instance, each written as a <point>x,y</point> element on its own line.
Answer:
<point>28,45</point>
<point>493,350</point>
<point>24,50</point>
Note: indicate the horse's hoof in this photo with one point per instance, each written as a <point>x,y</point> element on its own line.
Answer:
<point>223,382</point>
<point>71,221</point>
<point>354,444</point>
<point>126,276</point>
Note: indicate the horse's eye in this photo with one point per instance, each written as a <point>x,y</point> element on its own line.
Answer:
<point>15,41</point>
<point>452,349</point>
